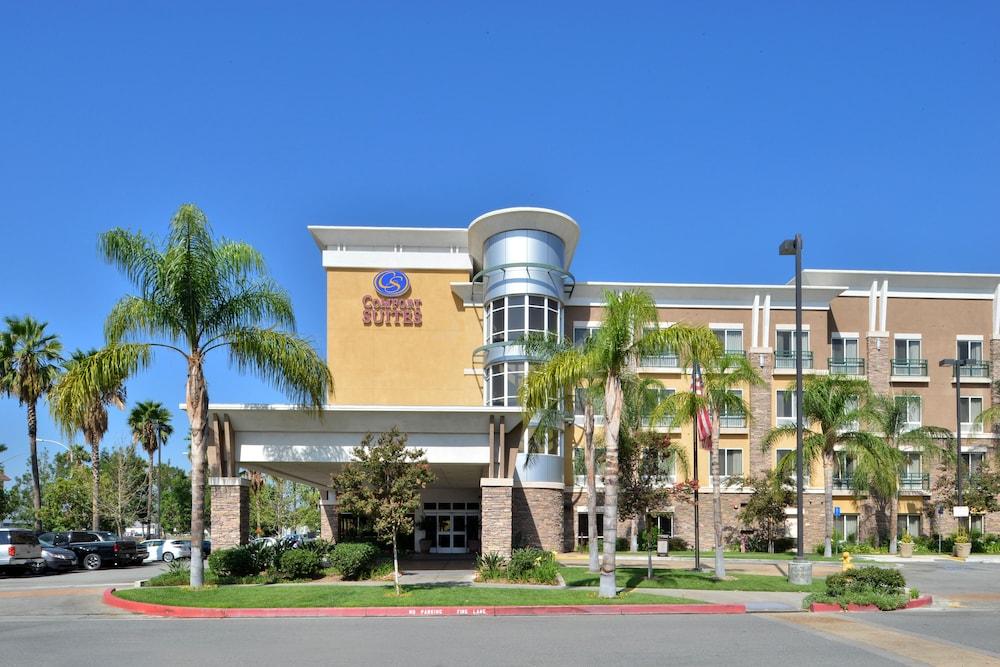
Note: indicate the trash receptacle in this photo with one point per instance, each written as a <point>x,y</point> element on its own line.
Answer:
<point>662,546</point>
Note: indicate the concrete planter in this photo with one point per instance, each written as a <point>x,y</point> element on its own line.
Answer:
<point>963,550</point>
<point>905,549</point>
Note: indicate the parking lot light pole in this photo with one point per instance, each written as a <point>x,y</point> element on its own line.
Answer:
<point>957,365</point>
<point>800,569</point>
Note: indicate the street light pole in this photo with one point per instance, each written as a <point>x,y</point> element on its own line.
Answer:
<point>799,570</point>
<point>72,458</point>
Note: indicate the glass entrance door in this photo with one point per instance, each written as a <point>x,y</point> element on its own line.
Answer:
<point>455,525</point>
<point>451,535</point>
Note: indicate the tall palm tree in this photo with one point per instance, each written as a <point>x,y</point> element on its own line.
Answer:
<point>833,406</point>
<point>149,422</point>
<point>722,374</point>
<point>30,362</point>
<point>196,294</point>
<point>88,413</point>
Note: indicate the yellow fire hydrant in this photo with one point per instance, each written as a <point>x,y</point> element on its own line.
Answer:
<point>845,561</point>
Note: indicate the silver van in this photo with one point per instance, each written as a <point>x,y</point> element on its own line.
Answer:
<point>19,549</point>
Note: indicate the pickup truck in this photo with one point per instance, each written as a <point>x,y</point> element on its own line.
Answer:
<point>94,549</point>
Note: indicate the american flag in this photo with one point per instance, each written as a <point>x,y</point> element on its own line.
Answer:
<point>703,420</point>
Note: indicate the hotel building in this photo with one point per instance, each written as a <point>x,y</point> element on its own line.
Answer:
<point>422,331</point>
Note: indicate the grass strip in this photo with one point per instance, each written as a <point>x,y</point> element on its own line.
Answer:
<point>635,577</point>
<point>377,596</point>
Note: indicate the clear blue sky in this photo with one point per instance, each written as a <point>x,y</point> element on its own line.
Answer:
<point>686,141</point>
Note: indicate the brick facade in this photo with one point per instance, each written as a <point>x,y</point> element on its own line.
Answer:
<point>328,520</point>
<point>230,511</point>
<point>760,410</point>
<point>496,519</point>
<point>538,518</point>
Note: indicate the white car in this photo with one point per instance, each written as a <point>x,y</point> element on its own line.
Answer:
<point>167,550</point>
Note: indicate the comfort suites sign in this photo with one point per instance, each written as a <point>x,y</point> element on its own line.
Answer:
<point>390,307</point>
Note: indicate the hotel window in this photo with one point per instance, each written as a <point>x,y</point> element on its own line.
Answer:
<point>509,318</point>
<point>847,526</point>
<point>581,334</point>
<point>908,523</point>
<point>732,416</point>
<point>972,462</point>
<point>784,353</point>
<point>582,527</point>
<point>908,360</point>
<point>970,349</point>
<point>782,453</point>
<point>666,468</point>
<point>971,408</point>
<point>845,349</point>
<point>977,523</point>
<point>731,462</point>
<point>654,397</point>
<point>846,359</point>
<point>545,441</point>
<point>912,478</point>
<point>503,381</point>
<point>913,411</point>
<point>843,473</point>
<point>731,339</point>
<point>664,524</point>
<point>907,349</point>
<point>786,407</point>
<point>580,463</point>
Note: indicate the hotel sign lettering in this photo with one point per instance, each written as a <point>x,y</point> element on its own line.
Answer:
<point>389,307</point>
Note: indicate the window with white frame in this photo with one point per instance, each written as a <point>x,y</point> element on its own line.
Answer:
<point>913,408</point>
<point>583,527</point>
<point>907,523</point>
<point>545,441</point>
<point>971,407</point>
<point>912,477</point>
<point>732,416</point>
<point>847,526</point>
<point>785,339</point>
<point>656,396</point>
<point>582,333</point>
<point>971,350</point>
<point>502,382</point>
<point>510,318</point>
<point>907,349</point>
<point>666,468</point>
<point>845,349</point>
<point>664,524</point>
<point>731,339</point>
<point>843,474</point>
<point>977,523</point>
<point>972,462</point>
<point>730,462</point>
<point>782,453</point>
<point>785,407</point>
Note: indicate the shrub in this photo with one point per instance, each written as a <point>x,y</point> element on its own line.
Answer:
<point>864,580</point>
<point>532,565</point>
<point>300,564</point>
<point>321,548</point>
<point>906,538</point>
<point>491,566</point>
<point>353,560</point>
<point>234,562</point>
<point>678,544</point>
<point>884,601</point>
<point>622,544</point>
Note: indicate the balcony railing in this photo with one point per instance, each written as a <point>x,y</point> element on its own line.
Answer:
<point>786,359</point>
<point>846,366</point>
<point>915,481</point>
<point>842,482</point>
<point>909,367</point>
<point>975,369</point>
<point>739,352</point>
<point>660,361</point>
<point>732,421</point>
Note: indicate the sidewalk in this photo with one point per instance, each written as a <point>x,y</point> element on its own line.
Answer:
<point>742,565</point>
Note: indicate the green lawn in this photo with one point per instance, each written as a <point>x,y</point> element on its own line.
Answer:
<point>635,577</point>
<point>377,596</point>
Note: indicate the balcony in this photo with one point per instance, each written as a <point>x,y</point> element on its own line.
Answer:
<point>915,481</point>
<point>915,368</point>
<point>660,361</point>
<point>732,421</point>
<point>843,482</point>
<point>846,366</point>
<point>975,369</point>
<point>739,352</point>
<point>786,359</point>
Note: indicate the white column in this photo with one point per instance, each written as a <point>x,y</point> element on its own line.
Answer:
<point>884,307</point>
<point>872,306</point>
<point>755,322</point>
<point>767,321</point>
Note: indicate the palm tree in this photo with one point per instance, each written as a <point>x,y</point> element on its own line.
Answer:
<point>150,425</point>
<point>722,373</point>
<point>30,362</point>
<point>87,413</point>
<point>834,405</point>
<point>195,295</point>
<point>887,415</point>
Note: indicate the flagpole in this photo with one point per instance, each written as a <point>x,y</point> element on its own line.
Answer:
<point>697,523</point>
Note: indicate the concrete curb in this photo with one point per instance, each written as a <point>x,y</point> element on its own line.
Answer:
<point>823,607</point>
<point>171,611</point>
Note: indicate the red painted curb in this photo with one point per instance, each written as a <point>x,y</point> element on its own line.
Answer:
<point>862,607</point>
<point>922,601</point>
<point>911,604</point>
<point>414,612</point>
<point>824,607</point>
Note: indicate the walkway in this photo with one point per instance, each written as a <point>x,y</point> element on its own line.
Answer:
<point>437,569</point>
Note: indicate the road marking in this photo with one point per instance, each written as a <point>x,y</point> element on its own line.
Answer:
<point>905,645</point>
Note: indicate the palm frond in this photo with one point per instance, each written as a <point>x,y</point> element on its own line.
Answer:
<point>286,361</point>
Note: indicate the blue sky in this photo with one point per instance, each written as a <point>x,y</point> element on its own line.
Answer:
<point>686,141</point>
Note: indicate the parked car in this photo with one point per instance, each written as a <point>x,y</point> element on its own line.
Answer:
<point>166,550</point>
<point>19,550</point>
<point>94,549</point>
<point>56,559</point>
<point>140,552</point>
<point>206,548</point>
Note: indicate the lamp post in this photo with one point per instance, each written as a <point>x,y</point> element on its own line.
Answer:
<point>957,365</point>
<point>799,570</point>
<point>72,458</point>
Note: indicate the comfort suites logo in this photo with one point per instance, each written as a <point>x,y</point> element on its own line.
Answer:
<point>391,309</point>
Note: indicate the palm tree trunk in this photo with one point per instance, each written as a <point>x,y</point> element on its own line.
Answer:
<point>36,483</point>
<point>589,460</point>
<point>828,504</point>
<point>149,497</point>
<point>197,409</point>
<point>613,410</point>
<point>95,482</point>
<point>720,561</point>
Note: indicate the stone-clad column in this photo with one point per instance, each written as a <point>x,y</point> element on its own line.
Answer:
<point>761,402</point>
<point>230,511</point>
<point>537,510</point>
<point>328,520</point>
<point>879,361</point>
<point>496,515</point>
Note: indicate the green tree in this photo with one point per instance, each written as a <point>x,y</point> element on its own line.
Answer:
<point>87,413</point>
<point>149,422</point>
<point>195,295</point>
<point>832,407</point>
<point>765,508</point>
<point>175,499</point>
<point>6,499</point>
<point>383,482</point>
<point>722,374</point>
<point>887,415</point>
<point>123,472</point>
<point>30,362</point>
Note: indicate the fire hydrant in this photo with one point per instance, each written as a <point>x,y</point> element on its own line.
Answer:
<point>845,561</point>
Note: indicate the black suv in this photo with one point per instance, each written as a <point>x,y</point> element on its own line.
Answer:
<point>94,549</point>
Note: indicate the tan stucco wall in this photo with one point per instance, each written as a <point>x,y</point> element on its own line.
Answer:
<point>397,364</point>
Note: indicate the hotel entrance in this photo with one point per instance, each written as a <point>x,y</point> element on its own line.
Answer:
<point>453,527</point>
